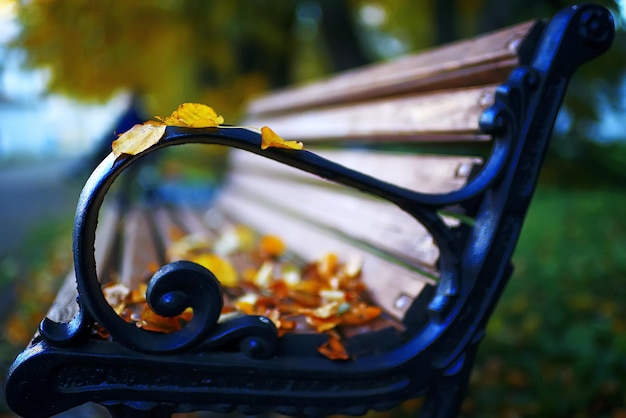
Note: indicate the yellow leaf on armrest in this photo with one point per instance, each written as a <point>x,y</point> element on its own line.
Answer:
<point>188,115</point>
<point>193,115</point>
<point>270,139</point>
<point>137,139</point>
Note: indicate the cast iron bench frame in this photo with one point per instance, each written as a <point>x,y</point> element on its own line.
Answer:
<point>141,373</point>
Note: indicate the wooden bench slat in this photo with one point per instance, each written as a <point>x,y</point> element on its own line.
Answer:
<point>140,251</point>
<point>376,223</point>
<point>199,223</point>
<point>452,66</point>
<point>64,306</point>
<point>391,285</point>
<point>107,236</point>
<point>447,112</point>
<point>423,173</point>
<point>165,223</point>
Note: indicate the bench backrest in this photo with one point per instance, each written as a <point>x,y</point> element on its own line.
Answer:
<point>405,122</point>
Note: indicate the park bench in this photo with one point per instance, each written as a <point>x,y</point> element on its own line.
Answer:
<point>423,166</point>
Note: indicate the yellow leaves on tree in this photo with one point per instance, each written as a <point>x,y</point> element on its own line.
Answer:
<point>188,115</point>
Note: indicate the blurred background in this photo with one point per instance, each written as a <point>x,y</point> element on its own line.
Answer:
<point>73,72</point>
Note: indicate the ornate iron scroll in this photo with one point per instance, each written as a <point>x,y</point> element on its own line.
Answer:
<point>188,370</point>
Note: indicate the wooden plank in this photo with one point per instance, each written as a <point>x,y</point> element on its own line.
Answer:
<point>106,239</point>
<point>165,226</point>
<point>375,223</point>
<point>140,252</point>
<point>414,116</point>
<point>493,54</point>
<point>391,285</point>
<point>423,173</point>
<point>199,222</point>
<point>64,306</point>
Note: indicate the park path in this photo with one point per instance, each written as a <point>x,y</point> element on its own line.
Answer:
<point>33,193</point>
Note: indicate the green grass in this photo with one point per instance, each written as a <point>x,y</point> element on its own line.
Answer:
<point>556,344</point>
<point>29,283</point>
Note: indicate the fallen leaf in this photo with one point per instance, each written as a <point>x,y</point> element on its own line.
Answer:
<point>272,246</point>
<point>220,267</point>
<point>270,139</point>
<point>193,115</point>
<point>323,324</point>
<point>150,321</point>
<point>137,139</point>
<point>360,314</point>
<point>115,293</point>
<point>286,325</point>
<point>327,265</point>
<point>333,349</point>
<point>233,239</point>
<point>322,312</point>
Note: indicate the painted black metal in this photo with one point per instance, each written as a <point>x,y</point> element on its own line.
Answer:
<point>242,365</point>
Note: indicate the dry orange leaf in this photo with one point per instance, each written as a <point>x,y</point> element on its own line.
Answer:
<point>272,246</point>
<point>323,325</point>
<point>323,311</point>
<point>333,349</point>
<point>150,321</point>
<point>137,139</point>
<point>270,139</point>
<point>193,115</point>
<point>286,325</point>
<point>360,314</point>
<point>327,265</point>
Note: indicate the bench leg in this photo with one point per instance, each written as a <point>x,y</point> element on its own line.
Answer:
<point>444,400</point>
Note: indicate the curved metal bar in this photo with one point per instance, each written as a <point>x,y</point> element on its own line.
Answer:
<point>174,286</point>
<point>65,334</point>
<point>256,336</point>
<point>184,284</point>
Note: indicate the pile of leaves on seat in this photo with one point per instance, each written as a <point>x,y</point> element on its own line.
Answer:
<point>258,278</point>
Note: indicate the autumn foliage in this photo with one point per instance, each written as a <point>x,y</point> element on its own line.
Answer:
<point>323,296</point>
